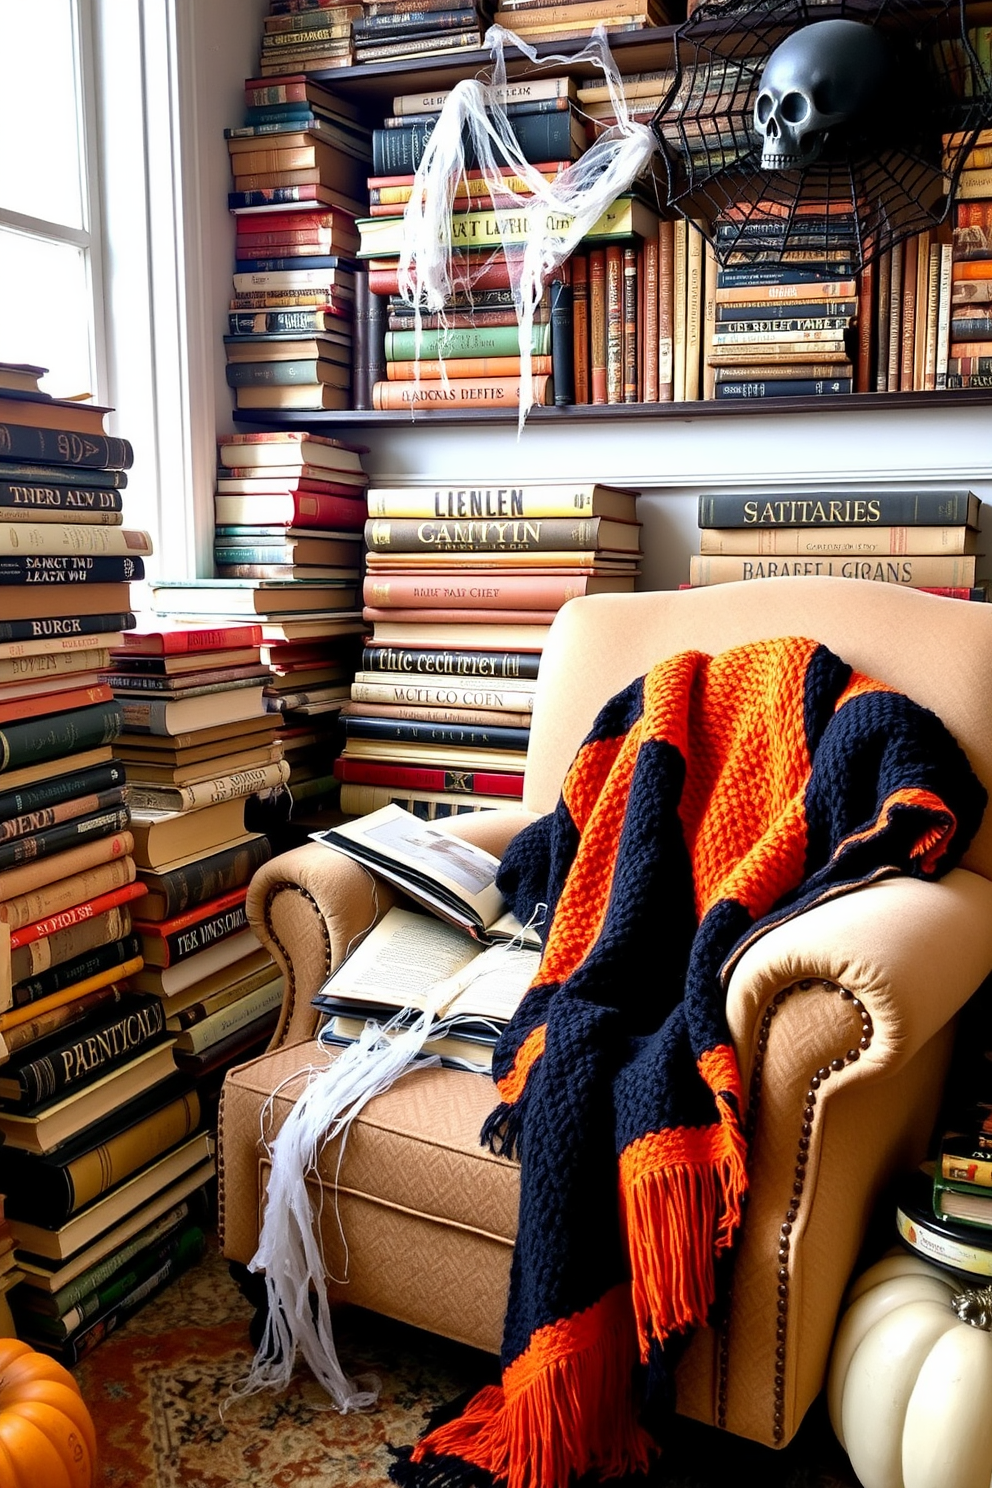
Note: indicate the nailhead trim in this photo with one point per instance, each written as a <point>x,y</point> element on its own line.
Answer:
<point>285,885</point>
<point>798,1187</point>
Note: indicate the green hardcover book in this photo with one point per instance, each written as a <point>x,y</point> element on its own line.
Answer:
<point>52,736</point>
<point>894,507</point>
<point>64,447</point>
<point>465,341</point>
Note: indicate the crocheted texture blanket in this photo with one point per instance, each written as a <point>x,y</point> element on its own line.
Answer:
<point>713,798</point>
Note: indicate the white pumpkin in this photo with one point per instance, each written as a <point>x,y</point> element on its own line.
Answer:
<point>910,1379</point>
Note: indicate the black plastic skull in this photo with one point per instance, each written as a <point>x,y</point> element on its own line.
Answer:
<point>821,77</point>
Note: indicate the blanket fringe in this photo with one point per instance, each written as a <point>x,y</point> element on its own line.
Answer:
<point>678,1218</point>
<point>440,1472</point>
<point>566,1409</point>
<point>501,1130</point>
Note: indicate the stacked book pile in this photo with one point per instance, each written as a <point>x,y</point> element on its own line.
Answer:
<point>299,163</point>
<point>291,507</point>
<point>200,750</point>
<point>100,1132</point>
<point>389,30</point>
<point>536,20</point>
<point>307,35</point>
<point>920,537</point>
<point>462,585</point>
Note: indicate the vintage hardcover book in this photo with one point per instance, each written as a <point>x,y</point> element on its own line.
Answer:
<point>469,535</point>
<point>533,499</point>
<point>69,891</point>
<point>462,392</point>
<point>56,1066</point>
<point>46,802</point>
<point>866,540</point>
<point>502,783</point>
<point>313,510</point>
<point>20,603</point>
<point>474,367</point>
<point>77,914</point>
<point>206,878</point>
<point>223,954</point>
<point>798,387</point>
<point>26,877</point>
<point>250,597</point>
<point>357,727</point>
<point>203,998</point>
<point>40,843</point>
<point>911,572</point>
<point>154,715</point>
<point>442,756</point>
<point>375,688</point>
<point>167,837</point>
<point>598,326</point>
<point>896,507</point>
<point>88,1224</point>
<point>166,942</point>
<point>614,323</point>
<point>41,952</point>
<point>485,717</point>
<point>359,800</point>
<point>239,1014</point>
<point>187,798</point>
<point>479,665</point>
<point>524,633</point>
<point>58,1015</point>
<point>579,267</point>
<point>64,446</point>
<point>487,590</point>
<point>48,1190</point>
<point>50,1125</point>
<point>84,972</point>
<point>454,879</point>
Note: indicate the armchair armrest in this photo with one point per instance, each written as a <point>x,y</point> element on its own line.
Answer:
<point>311,906</point>
<point>912,951</point>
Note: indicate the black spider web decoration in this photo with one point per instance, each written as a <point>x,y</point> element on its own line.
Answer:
<point>881,180</point>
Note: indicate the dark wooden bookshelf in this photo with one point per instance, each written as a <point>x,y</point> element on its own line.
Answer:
<point>585,413</point>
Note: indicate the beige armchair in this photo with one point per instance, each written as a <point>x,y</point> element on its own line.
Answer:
<point>842,1021</point>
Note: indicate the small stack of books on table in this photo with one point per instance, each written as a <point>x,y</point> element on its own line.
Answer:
<point>299,163</point>
<point>390,30</point>
<point>307,37</point>
<point>920,537</point>
<point>461,587</point>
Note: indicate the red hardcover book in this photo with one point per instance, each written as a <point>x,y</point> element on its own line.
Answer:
<point>579,264</point>
<point>87,910</point>
<point>486,590</point>
<point>173,640</point>
<point>263,223</point>
<point>496,270</point>
<point>291,509</point>
<point>598,327</point>
<point>418,777</point>
<point>40,704</point>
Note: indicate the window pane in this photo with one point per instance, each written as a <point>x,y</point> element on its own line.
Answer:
<point>44,310</point>
<point>40,161</point>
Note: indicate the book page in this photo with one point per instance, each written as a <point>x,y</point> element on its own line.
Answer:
<point>431,865</point>
<point>400,960</point>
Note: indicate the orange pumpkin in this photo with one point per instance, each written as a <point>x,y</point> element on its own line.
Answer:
<point>46,1432</point>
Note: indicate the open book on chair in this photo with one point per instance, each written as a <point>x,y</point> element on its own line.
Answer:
<point>453,878</point>
<point>410,960</point>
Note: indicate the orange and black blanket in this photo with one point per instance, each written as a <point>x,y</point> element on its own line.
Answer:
<point>713,798</point>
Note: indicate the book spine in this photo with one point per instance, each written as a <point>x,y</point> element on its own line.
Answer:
<point>598,326</point>
<point>488,665</point>
<point>40,844</point>
<point>33,495</point>
<point>81,1059</point>
<point>195,883</point>
<point>63,945</point>
<point>784,388</point>
<point>238,1015</point>
<point>529,534</point>
<point>49,1020</point>
<point>423,777</point>
<point>295,509</point>
<point>579,264</point>
<point>181,642</point>
<point>236,786</point>
<point>64,447</point>
<point>179,945</point>
<point>49,801</point>
<point>25,877</point>
<point>78,914</point>
<point>359,800</point>
<point>77,887</point>
<point>666,310</point>
<point>863,541</point>
<point>63,568</point>
<point>161,1231</point>
<point>958,1163</point>
<point>885,508</point>
<point>416,733</point>
<point>108,958</point>
<point>562,350</point>
<point>56,628</point>
<point>463,392</point>
<point>497,341</point>
<point>441,695</point>
<point>910,572</point>
<point>58,734</point>
<point>474,366</point>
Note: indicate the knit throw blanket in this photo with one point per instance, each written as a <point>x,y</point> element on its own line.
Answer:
<point>713,798</point>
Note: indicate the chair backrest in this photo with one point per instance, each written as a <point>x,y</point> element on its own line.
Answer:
<point>938,651</point>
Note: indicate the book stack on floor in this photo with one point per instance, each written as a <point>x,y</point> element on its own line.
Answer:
<point>461,587</point>
<point>390,30</point>
<point>307,36</point>
<point>299,163</point>
<point>920,537</point>
<point>477,335</point>
<point>537,20</point>
<point>202,754</point>
<point>291,506</point>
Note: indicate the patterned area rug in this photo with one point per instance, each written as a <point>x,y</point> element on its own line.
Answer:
<point>157,1389</point>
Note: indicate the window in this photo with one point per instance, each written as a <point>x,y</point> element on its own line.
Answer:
<point>50,252</point>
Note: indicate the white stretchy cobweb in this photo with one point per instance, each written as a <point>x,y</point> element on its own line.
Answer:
<point>474,119</point>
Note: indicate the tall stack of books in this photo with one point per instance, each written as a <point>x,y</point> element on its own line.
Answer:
<point>291,506</point>
<point>390,31</point>
<point>307,36</point>
<point>100,1132</point>
<point>299,163</point>
<point>475,343</point>
<point>536,21</point>
<point>968,346</point>
<point>922,537</point>
<point>201,751</point>
<point>462,585</point>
